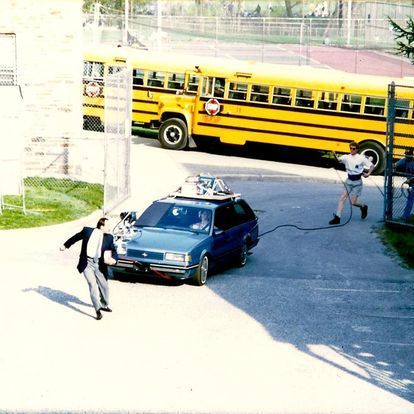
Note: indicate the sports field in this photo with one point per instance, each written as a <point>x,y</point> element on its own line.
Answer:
<point>347,59</point>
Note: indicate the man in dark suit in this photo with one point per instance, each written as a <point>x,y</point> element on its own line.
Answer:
<point>97,251</point>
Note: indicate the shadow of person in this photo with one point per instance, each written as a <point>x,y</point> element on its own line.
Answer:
<point>60,297</point>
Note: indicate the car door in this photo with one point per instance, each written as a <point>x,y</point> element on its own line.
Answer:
<point>226,233</point>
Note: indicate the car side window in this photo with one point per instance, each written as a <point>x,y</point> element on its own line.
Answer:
<point>224,218</point>
<point>244,212</point>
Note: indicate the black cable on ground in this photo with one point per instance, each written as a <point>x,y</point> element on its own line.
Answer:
<point>316,228</point>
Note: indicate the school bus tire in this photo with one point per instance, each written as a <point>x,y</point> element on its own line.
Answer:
<point>376,153</point>
<point>173,134</point>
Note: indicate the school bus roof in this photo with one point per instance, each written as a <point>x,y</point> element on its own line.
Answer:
<point>269,74</point>
<point>104,53</point>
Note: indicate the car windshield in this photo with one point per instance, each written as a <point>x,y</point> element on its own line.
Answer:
<point>176,216</point>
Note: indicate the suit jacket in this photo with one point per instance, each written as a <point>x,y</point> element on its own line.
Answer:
<point>84,235</point>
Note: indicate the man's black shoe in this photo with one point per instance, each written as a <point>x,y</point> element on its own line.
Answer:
<point>335,220</point>
<point>364,211</point>
<point>106,309</point>
<point>98,315</point>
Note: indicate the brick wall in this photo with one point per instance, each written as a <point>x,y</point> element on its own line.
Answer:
<point>49,69</point>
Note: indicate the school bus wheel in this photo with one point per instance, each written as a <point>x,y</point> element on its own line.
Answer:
<point>376,153</point>
<point>173,134</point>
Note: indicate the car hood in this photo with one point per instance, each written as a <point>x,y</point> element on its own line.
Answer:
<point>158,239</point>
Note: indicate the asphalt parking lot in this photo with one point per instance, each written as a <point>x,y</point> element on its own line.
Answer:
<point>317,321</point>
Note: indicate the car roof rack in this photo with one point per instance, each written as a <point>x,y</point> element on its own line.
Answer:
<point>205,187</point>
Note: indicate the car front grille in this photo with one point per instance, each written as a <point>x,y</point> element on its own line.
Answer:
<point>145,254</point>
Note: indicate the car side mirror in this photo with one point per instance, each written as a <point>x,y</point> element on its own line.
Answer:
<point>217,232</point>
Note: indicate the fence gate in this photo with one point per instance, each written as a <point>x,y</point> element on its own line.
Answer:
<point>399,191</point>
<point>117,131</point>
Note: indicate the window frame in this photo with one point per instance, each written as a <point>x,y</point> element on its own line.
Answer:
<point>239,92</point>
<point>8,69</point>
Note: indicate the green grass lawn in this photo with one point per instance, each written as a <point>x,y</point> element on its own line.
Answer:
<point>51,201</point>
<point>401,240</point>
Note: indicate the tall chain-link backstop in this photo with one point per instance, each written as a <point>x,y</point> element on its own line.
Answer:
<point>117,131</point>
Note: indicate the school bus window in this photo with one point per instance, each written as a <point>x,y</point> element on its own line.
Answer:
<point>93,70</point>
<point>238,91</point>
<point>138,77</point>
<point>351,103</point>
<point>328,101</point>
<point>219,84</point>
<point>304,98</point>
<point>401,108</point>
<point>207,89</point>
<point>114,69</point>
<point>175,81</point>
<point>193,82</point>
<point>156,79</point>
<point>281,96</point>
<point>260,93</point>
<point>374,105</point>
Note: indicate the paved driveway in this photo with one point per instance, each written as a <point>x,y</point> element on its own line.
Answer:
<point>317,322</point>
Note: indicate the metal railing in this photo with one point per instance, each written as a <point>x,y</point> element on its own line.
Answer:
<point>150,31</point>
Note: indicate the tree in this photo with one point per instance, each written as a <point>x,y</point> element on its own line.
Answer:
<point>404,38</point>
<point>111,5</point>
<point>290,6</point>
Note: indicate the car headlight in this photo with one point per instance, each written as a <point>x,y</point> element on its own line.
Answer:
<point>121,248</point>
<point>177,257</point>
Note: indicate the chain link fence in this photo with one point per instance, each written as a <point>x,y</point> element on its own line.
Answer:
<point>216,36</point>
<point>59,172</point>
<point>399,173</point>
<point>117,138</point>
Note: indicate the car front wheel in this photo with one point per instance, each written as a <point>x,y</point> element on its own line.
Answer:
<point>201,273</point>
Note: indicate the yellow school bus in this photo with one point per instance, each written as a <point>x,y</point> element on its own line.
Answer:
<point>99,62</point>
<point>238,102</point>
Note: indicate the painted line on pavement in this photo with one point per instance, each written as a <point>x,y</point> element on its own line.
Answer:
<point>359,290</point>
<point>389,343</point>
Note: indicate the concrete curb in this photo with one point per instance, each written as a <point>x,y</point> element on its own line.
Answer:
<point>278,177</point>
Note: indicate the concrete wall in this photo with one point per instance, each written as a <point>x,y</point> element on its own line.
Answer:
<point>49,68</point>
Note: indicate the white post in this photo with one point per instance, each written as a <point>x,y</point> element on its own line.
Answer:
<point>159,23</point>
<point>126,26</point>
<point>348,28</point>
<point>96,12</point>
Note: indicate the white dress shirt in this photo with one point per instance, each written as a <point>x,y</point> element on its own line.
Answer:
<point>94,244</point>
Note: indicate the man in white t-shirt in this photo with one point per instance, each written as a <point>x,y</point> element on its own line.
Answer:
<point>357,166</point>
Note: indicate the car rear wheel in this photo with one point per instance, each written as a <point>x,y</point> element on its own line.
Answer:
<point>201,273</point>
<point>242,257</point>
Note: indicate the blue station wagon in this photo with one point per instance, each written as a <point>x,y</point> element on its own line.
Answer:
<point>183,237</point>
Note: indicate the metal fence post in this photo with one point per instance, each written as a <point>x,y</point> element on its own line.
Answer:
<point>388,185</point>
<point>117,138</point>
